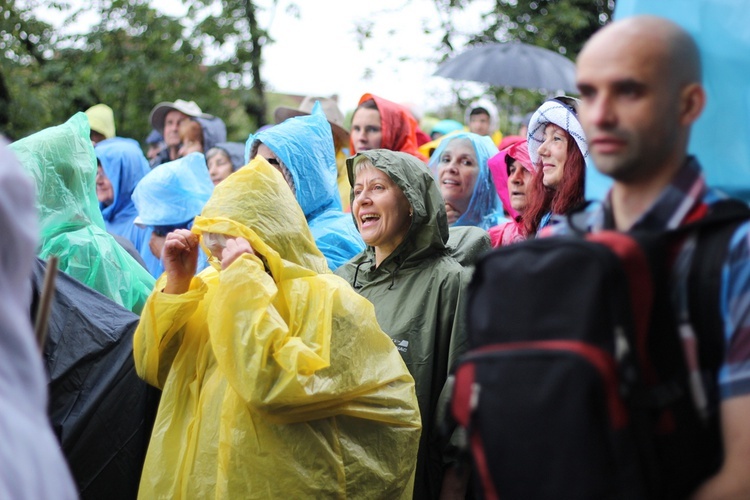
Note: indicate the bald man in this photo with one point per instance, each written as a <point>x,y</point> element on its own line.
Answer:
<point>641,92</point>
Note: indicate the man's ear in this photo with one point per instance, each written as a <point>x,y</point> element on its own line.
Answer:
<point>692,102</point>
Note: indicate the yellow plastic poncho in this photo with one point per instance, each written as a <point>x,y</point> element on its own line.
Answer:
<point>277,380</point>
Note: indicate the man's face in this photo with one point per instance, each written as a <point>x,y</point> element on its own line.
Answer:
<point>629,106</point>
<point>172,127</point>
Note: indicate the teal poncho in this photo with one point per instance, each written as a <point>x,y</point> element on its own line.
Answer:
<point>62,163</point>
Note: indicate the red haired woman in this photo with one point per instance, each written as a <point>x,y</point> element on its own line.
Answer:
<point>557,147</point>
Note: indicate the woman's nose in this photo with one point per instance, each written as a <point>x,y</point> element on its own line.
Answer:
<point>543,148</point>
<point>451,167</point>
<point>362,198</point>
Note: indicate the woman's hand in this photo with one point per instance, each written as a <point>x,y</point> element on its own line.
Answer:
<point>235,247</point>
<point>452,213</point>
<point>180,258</point>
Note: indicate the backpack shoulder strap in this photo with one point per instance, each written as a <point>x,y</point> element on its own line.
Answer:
<point>714,233</point>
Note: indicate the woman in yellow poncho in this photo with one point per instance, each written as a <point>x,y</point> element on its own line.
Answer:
<point>277,380</point>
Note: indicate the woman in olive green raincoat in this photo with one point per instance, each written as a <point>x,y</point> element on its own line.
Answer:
<point>416,286</point>
<point>277,381</point>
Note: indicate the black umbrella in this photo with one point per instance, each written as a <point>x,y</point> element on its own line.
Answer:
<point>512,64</point>
<point>100,409</point>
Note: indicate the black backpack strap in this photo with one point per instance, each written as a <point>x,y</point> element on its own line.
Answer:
<point>715,232</point>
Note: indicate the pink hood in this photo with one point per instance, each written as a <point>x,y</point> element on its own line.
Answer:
<point>518,151</point>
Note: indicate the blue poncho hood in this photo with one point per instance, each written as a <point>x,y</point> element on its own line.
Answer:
<point>125,165</point>
<point>485,208</point>
<point>214,130</point>
<point>173,193</point>
<point>305,145</point>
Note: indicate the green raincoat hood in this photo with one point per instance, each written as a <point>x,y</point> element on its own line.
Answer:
<point>428,234</point>
<point>417,294</point>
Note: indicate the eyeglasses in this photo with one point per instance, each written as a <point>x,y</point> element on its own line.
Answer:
<point>570,103</point>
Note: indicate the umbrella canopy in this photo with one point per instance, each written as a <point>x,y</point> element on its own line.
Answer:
<point>100,409</point>
<point>512,64</point>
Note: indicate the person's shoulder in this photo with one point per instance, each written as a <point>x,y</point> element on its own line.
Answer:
<point>467,243</point>
<point>586,220</point>
<point>446,269</point>
<point>348,268</point>
<point>739,244</point>
<point>741,238</point>
<point>161,157</point>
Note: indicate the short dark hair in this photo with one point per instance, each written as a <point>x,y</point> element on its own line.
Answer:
<point>479,111</point>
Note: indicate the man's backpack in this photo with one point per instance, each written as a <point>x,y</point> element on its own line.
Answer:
<point>576,384</point>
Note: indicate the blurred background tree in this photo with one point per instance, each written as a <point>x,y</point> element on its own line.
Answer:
<point>133,58</point>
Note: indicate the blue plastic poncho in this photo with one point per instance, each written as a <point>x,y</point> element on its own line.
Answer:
<point>485,208</point>
<point>124,164</point>
<point>61,161</point>
<point>174,193</point>
<point>305,145</point>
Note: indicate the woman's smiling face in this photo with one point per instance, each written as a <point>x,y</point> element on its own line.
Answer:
<point>458,169</point>
<point>381,210</point>
<point>553,153</point>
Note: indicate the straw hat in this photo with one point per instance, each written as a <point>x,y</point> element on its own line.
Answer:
<point>159,113</point>
<point>331,109</point>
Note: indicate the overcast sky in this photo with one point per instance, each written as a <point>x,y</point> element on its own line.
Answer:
<point>318,54</point>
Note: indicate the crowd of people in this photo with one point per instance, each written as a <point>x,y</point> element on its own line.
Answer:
<point>302,295</point>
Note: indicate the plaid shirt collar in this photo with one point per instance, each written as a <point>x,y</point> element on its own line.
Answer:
<point>678,199</point>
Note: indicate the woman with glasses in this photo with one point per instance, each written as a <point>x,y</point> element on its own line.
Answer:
<point>557,148</point>
<point>301,148</point>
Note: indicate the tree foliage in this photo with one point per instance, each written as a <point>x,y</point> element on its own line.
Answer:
<point>559,25</point>
<point>236,39</point>
<point>133,58</point>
